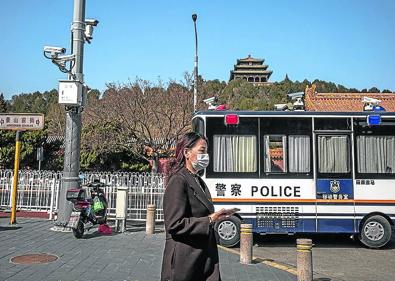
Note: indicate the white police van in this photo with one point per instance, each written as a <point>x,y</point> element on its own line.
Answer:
<point>302,172</point>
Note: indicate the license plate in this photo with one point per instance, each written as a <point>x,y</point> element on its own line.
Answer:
<point>73,220</point>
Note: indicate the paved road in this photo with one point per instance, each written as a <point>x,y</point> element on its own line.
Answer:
<point>129,256</point>
<point>336,257</point>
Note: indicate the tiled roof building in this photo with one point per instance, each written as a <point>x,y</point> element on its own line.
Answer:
<point>252,70</point>
<point>344,101</point>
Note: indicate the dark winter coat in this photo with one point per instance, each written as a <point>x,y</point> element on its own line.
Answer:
<point>191,252</point>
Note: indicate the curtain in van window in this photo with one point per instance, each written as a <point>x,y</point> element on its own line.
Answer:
<point>333,154</point>
<point>376,154</point>
<point>234,153</point>
<point>299,154</point>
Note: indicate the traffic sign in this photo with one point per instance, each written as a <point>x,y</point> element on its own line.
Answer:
<point>21,121</point>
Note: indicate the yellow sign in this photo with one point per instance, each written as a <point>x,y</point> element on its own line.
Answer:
<point>21,121</point>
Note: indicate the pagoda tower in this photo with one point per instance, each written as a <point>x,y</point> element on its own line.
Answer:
<point>252,70</point>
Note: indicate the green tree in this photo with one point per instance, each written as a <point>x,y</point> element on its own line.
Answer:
<point>30,141</point>
<point>36,102</point>
<point>93,96</point>
<point>342,89</point>
<point>3,104</point>
<point>7,149</point>
<point>242,95</point>
<point>374,90</point>
<point>208,89</point>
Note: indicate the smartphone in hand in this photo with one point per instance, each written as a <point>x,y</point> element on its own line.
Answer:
<point>231,211</point>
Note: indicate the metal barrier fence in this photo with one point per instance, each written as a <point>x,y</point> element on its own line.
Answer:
<point>38,191</point>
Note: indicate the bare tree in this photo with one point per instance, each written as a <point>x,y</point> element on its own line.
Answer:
<point>57,120</point>
<point>141,117</point>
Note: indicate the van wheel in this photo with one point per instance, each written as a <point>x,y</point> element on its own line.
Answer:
<point>228,231</point>
<point>376,232</point>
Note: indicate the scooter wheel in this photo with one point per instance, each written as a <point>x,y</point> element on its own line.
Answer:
<point>79,230</point>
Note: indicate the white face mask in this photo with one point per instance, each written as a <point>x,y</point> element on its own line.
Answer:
<point>202,160</point>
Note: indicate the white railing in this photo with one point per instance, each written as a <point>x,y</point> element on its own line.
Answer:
<point>143,189</point>
<point>38,191</point>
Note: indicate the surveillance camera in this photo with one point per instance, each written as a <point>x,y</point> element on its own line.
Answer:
<point>280,106</point>
<point>65,58</point>
<point>295,96</point>
<point>211,100</point>
<point>54,51</point>
<point>93,22</point>
<point>298,105</point>
<point>370,100</point>
<point>90,23</point>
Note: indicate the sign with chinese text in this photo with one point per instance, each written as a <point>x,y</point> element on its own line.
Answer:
<point>21,121</point>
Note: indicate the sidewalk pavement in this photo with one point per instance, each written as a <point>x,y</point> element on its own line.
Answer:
<point>128,256</point>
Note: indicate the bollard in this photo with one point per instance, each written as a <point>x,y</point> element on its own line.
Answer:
<point>304,260</point>
<point>245,243</point>
<point>150,224</point>
<point>121,208</point>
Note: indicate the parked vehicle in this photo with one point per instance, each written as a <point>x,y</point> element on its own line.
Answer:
<point>90,207</point>
<point>302,172</point>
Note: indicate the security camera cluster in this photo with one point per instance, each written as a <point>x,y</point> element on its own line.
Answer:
<point>371,104</point>
<point>57,54</point>
<point>211,102</point>
<point>72,92</point>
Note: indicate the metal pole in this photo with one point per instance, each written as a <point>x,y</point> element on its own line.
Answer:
<point>73,120</point>
<point>246,243</point>
<point>150,222</point>
<point>15,181</point>
<point>39,152</point>
<point>195,84</point>
<point>51,208</point>
<point>304,260</point>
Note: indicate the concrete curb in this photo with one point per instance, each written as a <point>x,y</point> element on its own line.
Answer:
<point>285,267</point>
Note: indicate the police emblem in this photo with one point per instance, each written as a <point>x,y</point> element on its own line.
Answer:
<point>335,186</point>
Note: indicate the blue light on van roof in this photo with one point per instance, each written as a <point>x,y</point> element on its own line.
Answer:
<point>374,120</point>
<point>378,108</point>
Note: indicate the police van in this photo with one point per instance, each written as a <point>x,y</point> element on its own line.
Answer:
<point>302,172</point>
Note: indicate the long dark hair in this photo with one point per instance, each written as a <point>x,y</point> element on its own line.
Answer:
<point>186,141</point>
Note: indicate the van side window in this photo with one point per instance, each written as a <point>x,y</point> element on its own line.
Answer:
<point>234,153</point>
<point>198,125</point>
<point>299,154</point>
<point>334,154</point>
<point>275,154</point>
<point>376,154</point>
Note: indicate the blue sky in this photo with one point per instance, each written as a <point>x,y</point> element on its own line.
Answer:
<point>347,42</point>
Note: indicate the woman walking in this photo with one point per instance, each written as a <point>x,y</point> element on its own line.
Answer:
<point>191,252</point>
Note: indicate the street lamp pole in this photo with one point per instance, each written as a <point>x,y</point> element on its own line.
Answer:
<point>195,84</point>
<point>73,96</point>
<point>71,167</point>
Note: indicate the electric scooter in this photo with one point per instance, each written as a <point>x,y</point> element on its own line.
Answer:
<point>89,207</point>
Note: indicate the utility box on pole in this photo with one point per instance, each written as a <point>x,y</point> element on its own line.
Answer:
<point>70,92</point>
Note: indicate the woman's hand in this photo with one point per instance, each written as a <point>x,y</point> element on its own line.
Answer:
<point>214,217</point>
